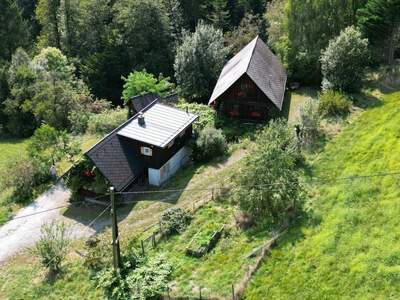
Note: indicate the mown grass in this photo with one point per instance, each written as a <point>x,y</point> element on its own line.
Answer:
<point>349,248</point>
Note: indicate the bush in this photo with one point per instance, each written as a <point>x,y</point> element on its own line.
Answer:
<point>333,104</point>
<point>309,119</point>
<point>23,175</point>
<point>106,121</point>
<point>148,279</point>
<point>52,246</point>
<point>175,220</point>
<point>344,60</point>
<point>207,115</point>
<point>210,143</point>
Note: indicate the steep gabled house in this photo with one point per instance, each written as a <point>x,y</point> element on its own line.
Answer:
<point>251,85</point>
<point>149,147</point>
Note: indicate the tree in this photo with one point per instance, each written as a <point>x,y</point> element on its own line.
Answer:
<point>58,19</point>
<point>14,31</point>
<point>139,83</point>
<point>21,79</point>
<point>344,60</point>
<point>268,184</point>
<point>52,246</point>
<point>199,61</point>
<point>379,20</point>
<point>56,89</point>
<point>145,35</point>
<point>49,145</point>
<point>218,14</point>
<point>310,26</point>
<point>175,18</point>
<point>276,19</point>
<point>240,36</point>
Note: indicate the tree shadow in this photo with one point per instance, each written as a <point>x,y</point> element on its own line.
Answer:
<point>366,101</point>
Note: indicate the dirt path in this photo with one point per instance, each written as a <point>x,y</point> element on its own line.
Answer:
<point>24,230</point>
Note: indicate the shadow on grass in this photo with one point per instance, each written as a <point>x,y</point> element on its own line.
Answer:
<point>365,101</point>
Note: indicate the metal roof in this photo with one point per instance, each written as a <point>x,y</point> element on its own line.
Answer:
<point>162,125</point>
<point>261,65</point>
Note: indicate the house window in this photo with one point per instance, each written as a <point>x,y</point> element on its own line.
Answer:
<point>146,151</point>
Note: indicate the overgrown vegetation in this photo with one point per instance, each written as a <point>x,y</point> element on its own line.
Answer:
<point>209,144</point>
<point>174,221</point>
<point>267,186</point>
<point>52,247</point>
<point>334,104</point>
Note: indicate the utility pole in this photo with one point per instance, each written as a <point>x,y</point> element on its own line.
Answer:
<point>115,239</point>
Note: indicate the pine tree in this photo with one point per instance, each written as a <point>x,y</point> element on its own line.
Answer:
<point>379,20</point>
<point>175,17</point>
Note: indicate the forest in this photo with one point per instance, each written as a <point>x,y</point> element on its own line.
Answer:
<point>63,60</point>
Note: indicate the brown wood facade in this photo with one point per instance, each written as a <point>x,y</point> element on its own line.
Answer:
<point>244,100</point>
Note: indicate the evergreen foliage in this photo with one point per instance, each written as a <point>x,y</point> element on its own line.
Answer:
<point>379,20</point>
<point>344,60</point>
<point>199,61</point>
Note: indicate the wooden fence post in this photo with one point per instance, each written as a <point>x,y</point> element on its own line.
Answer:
<point>153,239</point>
<point>141,242</point>
<point>200,293</point>
<point>233,292</point>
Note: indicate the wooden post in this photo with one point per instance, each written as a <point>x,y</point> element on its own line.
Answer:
<point>115,239</point>
<point>153,240</point>
<point>212,194</point>
<point>233,292</point>
<point>200,293</point>
<point>169,297</point>
<point>141,242</point>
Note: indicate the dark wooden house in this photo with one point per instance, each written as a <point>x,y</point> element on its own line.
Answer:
<point>251,85</point>
<point>149,147</point>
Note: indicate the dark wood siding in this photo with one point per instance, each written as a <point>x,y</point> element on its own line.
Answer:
<point>160,155</point>
<point>244,100</point>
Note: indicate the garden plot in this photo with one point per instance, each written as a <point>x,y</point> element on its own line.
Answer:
<point>220,268</point>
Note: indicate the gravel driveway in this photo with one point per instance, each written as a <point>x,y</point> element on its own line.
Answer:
<point>21,233</point>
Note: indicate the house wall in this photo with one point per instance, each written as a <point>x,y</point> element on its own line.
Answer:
<point>161,155</point>
<point>159,176</point>
<point>244,100</point>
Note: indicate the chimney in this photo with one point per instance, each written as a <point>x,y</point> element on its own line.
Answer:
<point>141,119</point>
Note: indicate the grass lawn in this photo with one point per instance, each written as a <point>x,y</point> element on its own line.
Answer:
<point>349,247</point>
<point>12,148</point>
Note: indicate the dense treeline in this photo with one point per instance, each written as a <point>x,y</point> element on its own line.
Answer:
<point>103,41</point>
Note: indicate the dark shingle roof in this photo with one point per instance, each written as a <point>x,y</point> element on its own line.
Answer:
<point>141,101</point>
<point>261,65</point>
<point>115,159</point>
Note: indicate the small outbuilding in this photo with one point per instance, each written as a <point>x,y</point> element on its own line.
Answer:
<point>149,147</point>
<point>251,85</point>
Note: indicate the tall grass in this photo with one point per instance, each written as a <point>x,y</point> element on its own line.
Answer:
<point>350,246</point>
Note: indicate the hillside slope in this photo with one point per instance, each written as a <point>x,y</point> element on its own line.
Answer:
<point>349,248</point>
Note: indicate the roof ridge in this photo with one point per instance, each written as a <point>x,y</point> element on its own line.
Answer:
<point>122,125</point>
<point>252,52</point>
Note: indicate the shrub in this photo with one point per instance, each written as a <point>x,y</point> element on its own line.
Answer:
<point>23,175</point>
<point>148,279</point>
<point>210,143</point>
<point>332,103</point>
<point>175,220</point>
<point>52,246</point>
<point>207,115</point>
<point>309,119</point>
<point>106,121</point>
<point>344,60</point>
